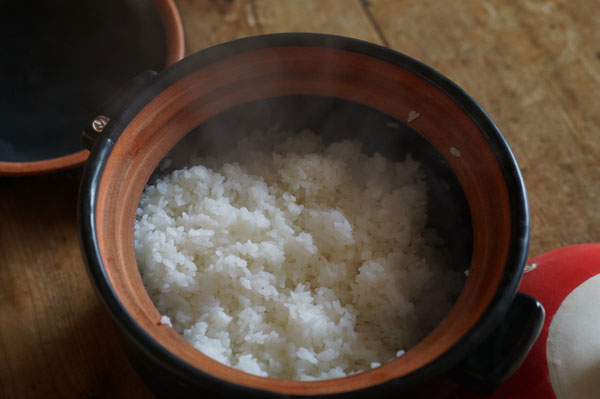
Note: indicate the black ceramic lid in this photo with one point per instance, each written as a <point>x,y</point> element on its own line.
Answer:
<point>61,60</point>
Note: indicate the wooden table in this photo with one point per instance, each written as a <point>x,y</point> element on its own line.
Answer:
<point>533,65</point>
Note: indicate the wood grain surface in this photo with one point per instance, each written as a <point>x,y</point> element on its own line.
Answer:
<point>533,65</point>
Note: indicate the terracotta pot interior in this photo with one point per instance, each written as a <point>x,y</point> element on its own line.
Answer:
<point>173,52</point>
<point>339,77</point>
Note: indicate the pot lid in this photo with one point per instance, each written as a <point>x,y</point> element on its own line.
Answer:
<point>61,61</point>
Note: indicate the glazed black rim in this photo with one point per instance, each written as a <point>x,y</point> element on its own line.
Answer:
<point>519,209</point>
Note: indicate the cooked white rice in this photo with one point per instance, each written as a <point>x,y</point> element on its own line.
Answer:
<point>299,261</point>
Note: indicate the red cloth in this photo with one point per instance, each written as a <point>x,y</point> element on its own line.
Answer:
<point>558,272</point>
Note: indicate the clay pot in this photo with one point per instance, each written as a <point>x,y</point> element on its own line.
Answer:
<point>341,88</point>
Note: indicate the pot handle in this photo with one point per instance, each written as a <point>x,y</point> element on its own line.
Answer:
<point>503,351</point>
<point>115,103</point>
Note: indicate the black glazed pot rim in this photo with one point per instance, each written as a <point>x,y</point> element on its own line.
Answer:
<point>97,160</point>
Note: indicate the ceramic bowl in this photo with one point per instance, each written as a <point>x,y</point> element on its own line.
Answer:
<point>64,59</point>
<point>341,88</point>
